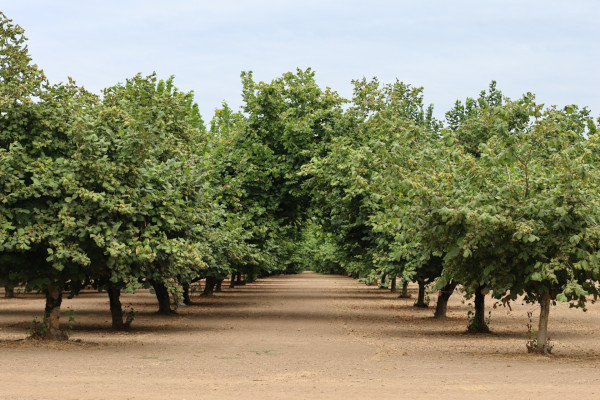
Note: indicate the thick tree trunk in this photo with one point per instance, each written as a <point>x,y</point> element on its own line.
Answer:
<point>393,285</point>
<point>164,301</point>
<point>116,311</point>
<point>232,282</point>
<point>421,298</point>
<point>478,322</point>
<point>404,294</point>
<point>442,303</point>
<point>9,291</point>
<point>186,294</point>
<point>218,287</point>
<point>542,342</point>
<point>52,314</point>
<point>209,287</point>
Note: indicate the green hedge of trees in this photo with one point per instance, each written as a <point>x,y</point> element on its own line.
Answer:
<point>131,189</point>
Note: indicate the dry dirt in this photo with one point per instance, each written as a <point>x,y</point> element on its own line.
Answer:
<point>306,336</point>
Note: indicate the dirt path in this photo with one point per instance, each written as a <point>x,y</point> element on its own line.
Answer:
<point>296,337</point>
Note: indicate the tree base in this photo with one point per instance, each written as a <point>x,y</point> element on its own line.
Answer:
<point>167,312</point>
<point>120,327</point>
<point>57,335</point>
<point>478,328</point>
<point>534,347</point>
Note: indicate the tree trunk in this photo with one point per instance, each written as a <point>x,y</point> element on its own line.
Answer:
<point>116,311</point>
<point>442,303</point>
<point>218,288</point>
<point>478,322</point>
<point>186,294</point>
<point>209,287</point>
<point>232,282</point>
<point>542,344</point>
<point>52,314</point>
<point>238,280</point>
<point>250,275</point>
<point>164,301</point>
<point>9,291</point>
<point>404,294</point>
<point>393,285</point>
<point>382,284</point>
<point>421,298</point>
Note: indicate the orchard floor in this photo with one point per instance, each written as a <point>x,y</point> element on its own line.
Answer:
<point>306,336</point>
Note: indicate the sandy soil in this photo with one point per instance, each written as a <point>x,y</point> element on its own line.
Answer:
<point>307,336</point>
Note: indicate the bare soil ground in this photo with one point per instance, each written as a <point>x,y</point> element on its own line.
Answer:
<point>307,336</point>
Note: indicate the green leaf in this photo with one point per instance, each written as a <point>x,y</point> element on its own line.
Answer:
<point>562,298</point>
<point>453,252</point>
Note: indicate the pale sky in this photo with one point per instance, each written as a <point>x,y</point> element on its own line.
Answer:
<point>451,48</point>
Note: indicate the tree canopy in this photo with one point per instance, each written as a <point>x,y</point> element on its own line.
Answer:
<point>130,188</point>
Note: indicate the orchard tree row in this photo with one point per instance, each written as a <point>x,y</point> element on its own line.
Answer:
<point>503,199</point>
<point>131,189</point>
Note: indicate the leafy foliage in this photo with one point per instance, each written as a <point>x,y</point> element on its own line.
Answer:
<point>131,188</point>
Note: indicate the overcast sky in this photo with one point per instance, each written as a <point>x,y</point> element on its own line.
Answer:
<point>451,48</point>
